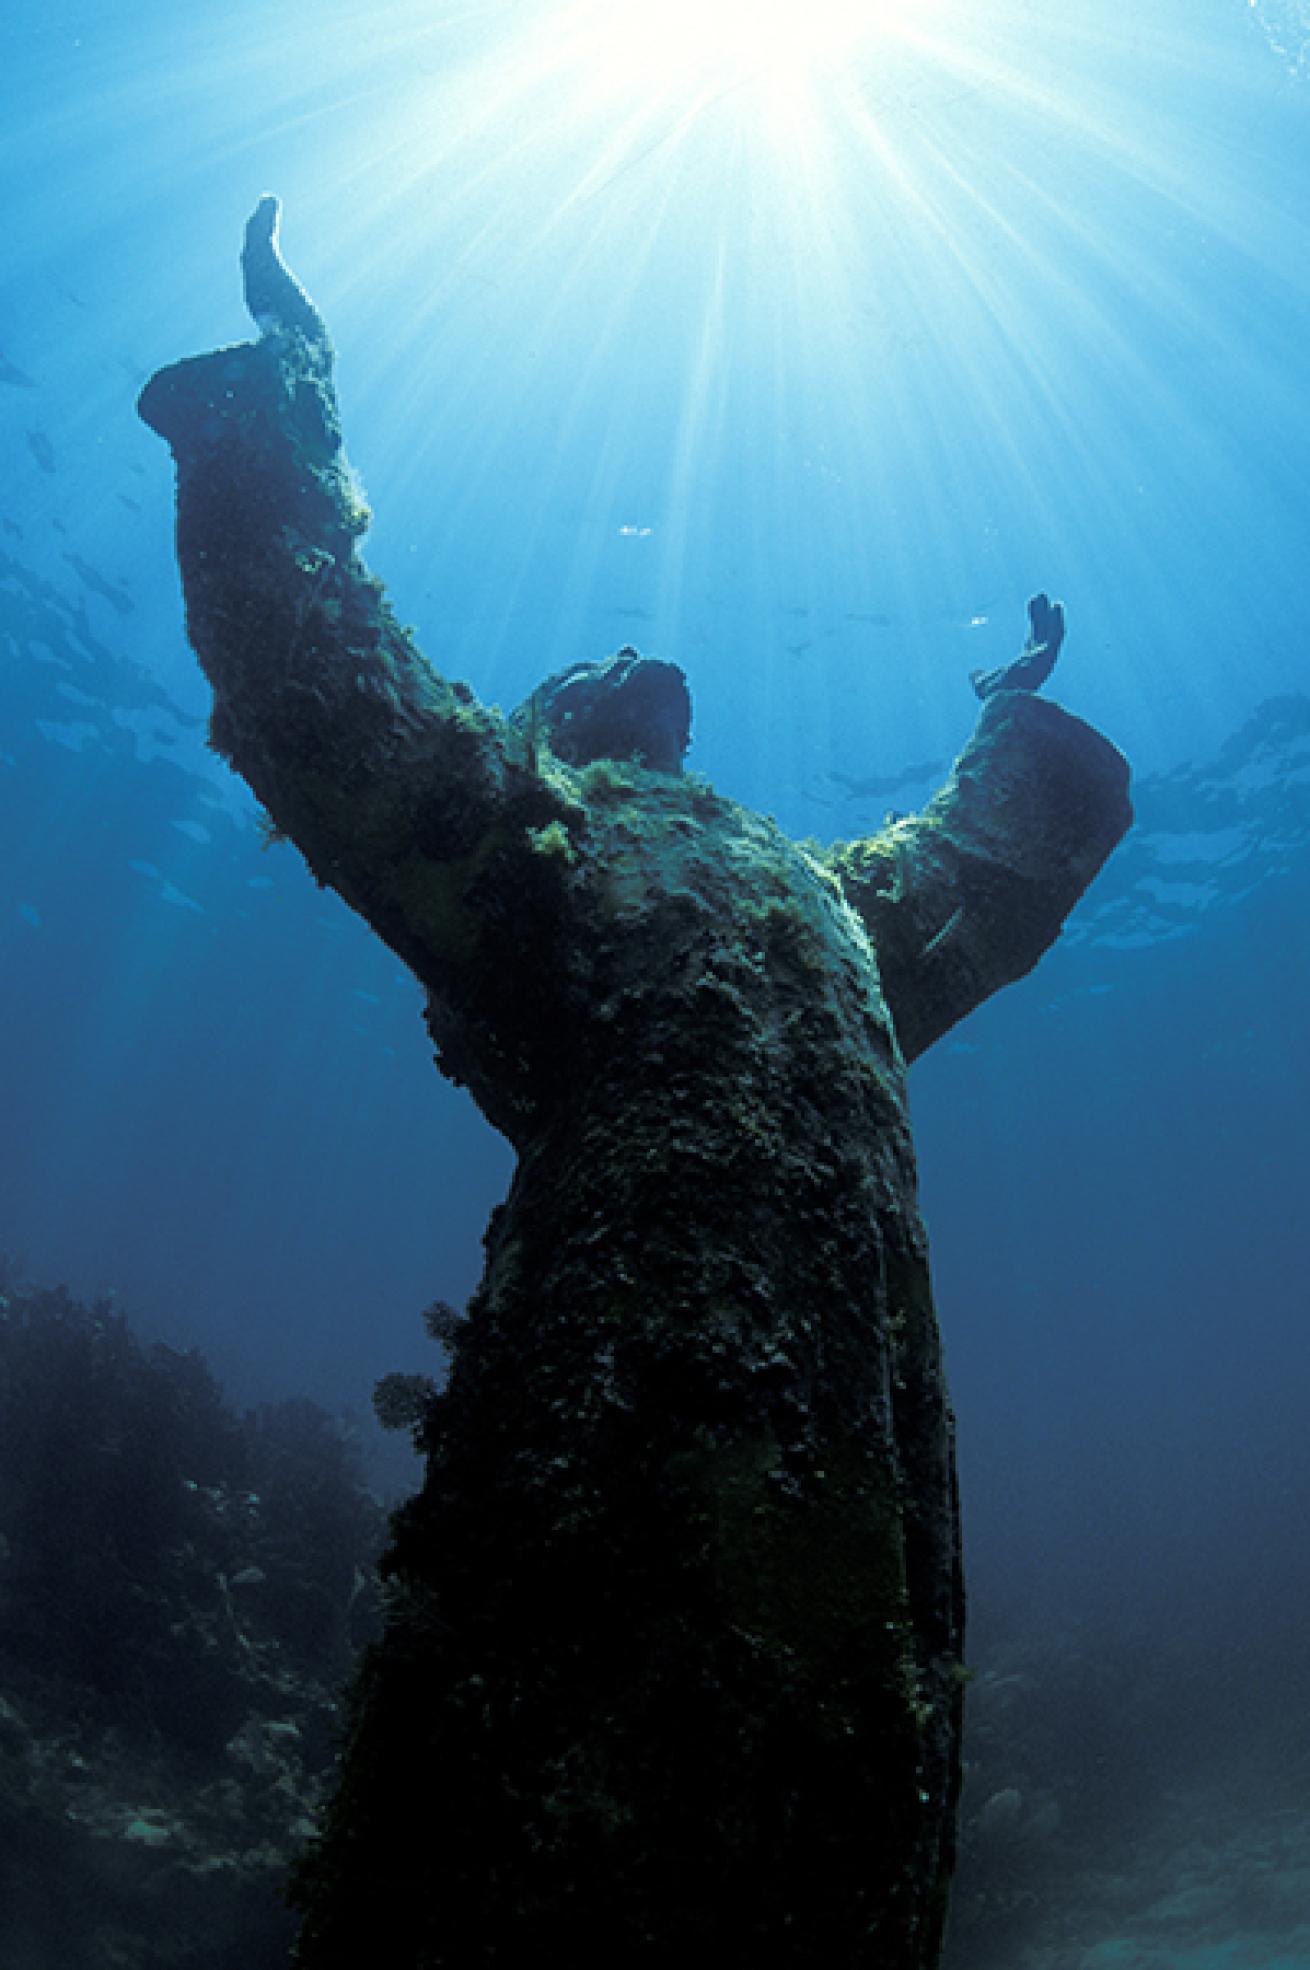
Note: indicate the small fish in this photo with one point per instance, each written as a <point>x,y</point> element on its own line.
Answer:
<point>11,374</point>
<point>117,598</point>
<point>42,450</point>
<point>885,783</point>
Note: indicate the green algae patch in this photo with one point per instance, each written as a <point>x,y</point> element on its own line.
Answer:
<point>552,842</point>
<point>436,897</point>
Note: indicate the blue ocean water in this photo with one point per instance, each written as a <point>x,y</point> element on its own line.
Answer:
<point>804,374</point>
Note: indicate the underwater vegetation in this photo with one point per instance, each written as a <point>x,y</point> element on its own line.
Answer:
<point>181,1590</point>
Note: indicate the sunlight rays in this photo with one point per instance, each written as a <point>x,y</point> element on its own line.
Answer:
<point>908,287</point>
<point>809,292</point>
<point>771,48</point>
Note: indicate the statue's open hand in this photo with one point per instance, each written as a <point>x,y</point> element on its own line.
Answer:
<point>275,298</point>
<point>1036,660</point>
<point>267,409</point>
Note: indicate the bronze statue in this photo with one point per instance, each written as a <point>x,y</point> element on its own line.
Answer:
<point>672,1659</point>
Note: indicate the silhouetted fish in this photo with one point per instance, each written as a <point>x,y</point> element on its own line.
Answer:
<point>117,598</point>
<point>884,783</point>
<point>15,377</point>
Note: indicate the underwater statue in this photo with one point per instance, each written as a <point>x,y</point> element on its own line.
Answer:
<point>672,1657</point>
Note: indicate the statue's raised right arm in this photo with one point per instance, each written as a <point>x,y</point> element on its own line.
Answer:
<point>403,793</point>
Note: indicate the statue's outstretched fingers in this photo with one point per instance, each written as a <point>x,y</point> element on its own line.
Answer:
<point>1055,625</point>
<point>1046,620</point>
<point>1035,662</point>
<point>263,222</point>
<point>275,298</point>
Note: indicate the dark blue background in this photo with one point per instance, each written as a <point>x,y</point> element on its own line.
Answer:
<point>809,401</point>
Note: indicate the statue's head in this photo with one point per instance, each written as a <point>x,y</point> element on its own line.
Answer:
<point>629,707</point>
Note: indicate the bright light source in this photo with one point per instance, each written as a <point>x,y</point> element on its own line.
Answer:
<point>687,45</point>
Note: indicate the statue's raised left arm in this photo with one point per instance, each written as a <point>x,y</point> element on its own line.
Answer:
<point>966,896</point>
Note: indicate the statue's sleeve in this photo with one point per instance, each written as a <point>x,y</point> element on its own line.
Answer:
<point>418,805</point>
<point>966,896</point>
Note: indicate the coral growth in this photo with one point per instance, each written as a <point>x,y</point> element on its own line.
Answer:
<point>181,1591</point>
